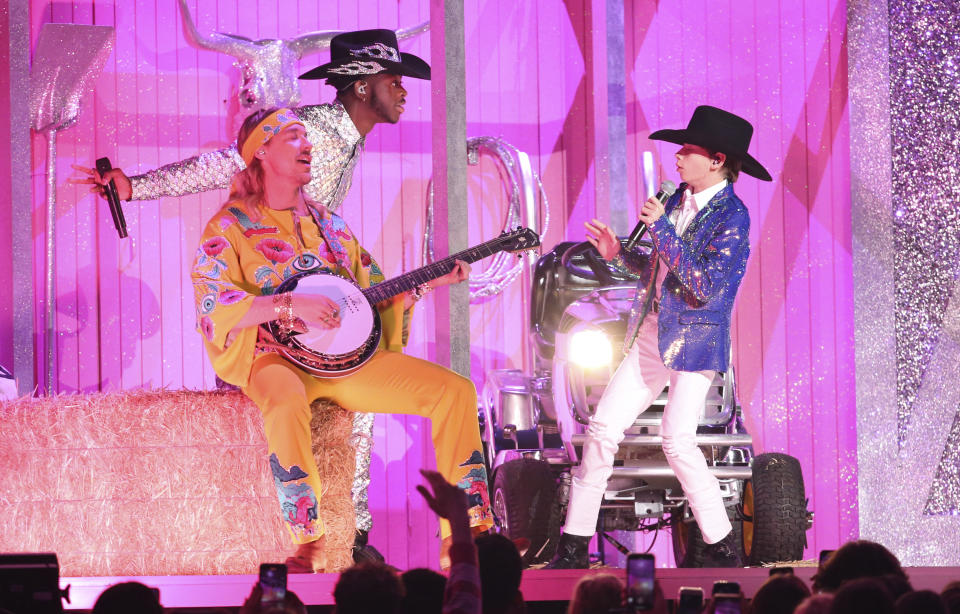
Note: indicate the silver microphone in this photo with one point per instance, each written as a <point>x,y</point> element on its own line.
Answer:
<point>667,188</point>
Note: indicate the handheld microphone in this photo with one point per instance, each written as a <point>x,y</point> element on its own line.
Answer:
<point>103,165</point>
<point>667,188</point>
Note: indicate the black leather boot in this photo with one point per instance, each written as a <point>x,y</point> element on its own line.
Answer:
<point>362,551</point>
<point>571,553</point>
<point>724,553</point>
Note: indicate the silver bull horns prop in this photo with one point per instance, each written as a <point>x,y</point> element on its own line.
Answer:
<point>268,67</point>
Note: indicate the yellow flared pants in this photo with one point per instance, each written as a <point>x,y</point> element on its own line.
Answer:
<point>389,382</point>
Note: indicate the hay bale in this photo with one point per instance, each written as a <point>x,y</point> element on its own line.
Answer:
<point>158,483</point>
<point>331,427</point>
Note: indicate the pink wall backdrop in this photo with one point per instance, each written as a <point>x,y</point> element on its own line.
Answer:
<point>125,308</point>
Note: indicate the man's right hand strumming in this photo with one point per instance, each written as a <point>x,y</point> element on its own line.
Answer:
<point>601,236</point>
<point>317,309</point>
<point>298,313</point>
<point>94,179</point>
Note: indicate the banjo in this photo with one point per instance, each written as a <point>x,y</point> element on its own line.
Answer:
<point>340,351</point>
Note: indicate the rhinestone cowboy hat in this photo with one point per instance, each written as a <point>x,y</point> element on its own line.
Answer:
<point>718,130</point>
<point>368,52</point>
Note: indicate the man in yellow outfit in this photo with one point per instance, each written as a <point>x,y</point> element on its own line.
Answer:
<point>267,232</point>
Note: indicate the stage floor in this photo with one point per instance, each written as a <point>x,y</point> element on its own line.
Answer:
<point>538,584</point>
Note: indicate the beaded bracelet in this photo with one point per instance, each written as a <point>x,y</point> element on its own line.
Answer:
<point>283,306</point>
<point>421,291</point>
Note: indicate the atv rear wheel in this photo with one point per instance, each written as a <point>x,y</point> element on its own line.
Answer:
<point>525,506</point>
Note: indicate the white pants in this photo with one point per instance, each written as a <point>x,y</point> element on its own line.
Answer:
<point>638,381</point>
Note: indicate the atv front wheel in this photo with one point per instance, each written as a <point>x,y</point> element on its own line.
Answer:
<point>774,510</point>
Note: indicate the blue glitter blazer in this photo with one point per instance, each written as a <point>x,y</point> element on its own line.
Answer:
<point>696,300</point>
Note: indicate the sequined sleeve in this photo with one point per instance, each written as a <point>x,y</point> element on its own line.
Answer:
<point>636,261</point>
<point>208,171</point>
<point>704,273</point>
<point>630,263</point>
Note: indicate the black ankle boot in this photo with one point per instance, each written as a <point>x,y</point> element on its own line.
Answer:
<point>571,553</point>
<point>362,551</point>
<point>724,553</point>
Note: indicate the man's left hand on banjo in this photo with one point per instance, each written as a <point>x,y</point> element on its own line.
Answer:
<point>459,273</point>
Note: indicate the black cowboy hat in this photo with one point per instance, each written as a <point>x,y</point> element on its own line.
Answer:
<point>718,130</point>
<point>368,52</point>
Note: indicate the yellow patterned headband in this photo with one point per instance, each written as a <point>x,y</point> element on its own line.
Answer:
<point>271,126</point>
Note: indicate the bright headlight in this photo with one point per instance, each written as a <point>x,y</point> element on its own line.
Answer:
<point>590,349</point>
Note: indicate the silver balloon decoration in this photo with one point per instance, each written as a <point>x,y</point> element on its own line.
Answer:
<point>68,59</point>
<point>522,210</point>
<point>268,67</point>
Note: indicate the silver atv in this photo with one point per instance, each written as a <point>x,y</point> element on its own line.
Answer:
<point>534,428</point>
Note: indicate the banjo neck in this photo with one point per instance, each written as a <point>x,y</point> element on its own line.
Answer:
<point>412,279</point>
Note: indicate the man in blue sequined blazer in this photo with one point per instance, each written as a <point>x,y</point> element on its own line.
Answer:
<point>679,330</point>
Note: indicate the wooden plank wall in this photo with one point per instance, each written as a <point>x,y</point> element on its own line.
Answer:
<point>125,310</point>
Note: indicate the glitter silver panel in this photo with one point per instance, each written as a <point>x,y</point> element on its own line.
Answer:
<point>938,415</point>
<point>336,147</point>
<point>50,273</point>
<point>944,497</point>
<point>946,486</point>
<point>925,111</point>
<point>18,12</point>
<point>904,91</point>
<point>925,131</point>
<point>362,440</point>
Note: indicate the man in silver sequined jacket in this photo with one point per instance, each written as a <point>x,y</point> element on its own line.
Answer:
<point>366,68</point>
<point>679,330</point>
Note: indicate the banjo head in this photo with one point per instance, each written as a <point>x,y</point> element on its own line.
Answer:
<point>337,351</point>
<point>356,315</point>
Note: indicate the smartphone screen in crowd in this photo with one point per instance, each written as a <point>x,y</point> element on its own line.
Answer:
<point>273,583</point>
<point>726,597</point>
<point>824,555</point>
<point>689,600</point>
<point>726,604</point>
<point>726,587</point>
<point>640,577</point>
